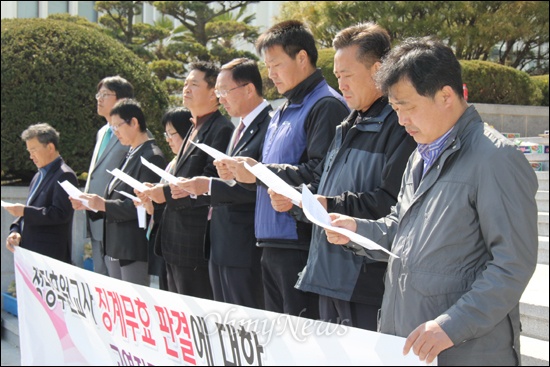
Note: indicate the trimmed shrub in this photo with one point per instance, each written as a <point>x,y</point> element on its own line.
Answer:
<point>541,81</point>
<point>489,82</point>
<point>50,70</point>
<point>269,89</point>
<point>326,63</point>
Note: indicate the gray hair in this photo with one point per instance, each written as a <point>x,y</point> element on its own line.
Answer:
<point>44,132</point>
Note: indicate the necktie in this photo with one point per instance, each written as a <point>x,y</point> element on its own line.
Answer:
<point>104,142</point>
<point>238,134</point>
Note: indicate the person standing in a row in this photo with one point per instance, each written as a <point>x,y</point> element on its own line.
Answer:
<point>184,223</point>
<point>45,222</point>
<point>125,242</point>
<point>465,256</point>
<point>297,139</point>
<point>176,123</point>
<point>234,266</point>
<point>107,155</point>
<point>360,176</point>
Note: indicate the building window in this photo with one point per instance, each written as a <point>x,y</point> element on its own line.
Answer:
<point>55,7</point>
<point>27,9</point>
<point>86,10</point>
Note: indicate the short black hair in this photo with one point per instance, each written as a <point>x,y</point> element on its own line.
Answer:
<point>426,62</point>
<point>372,40</point>
<point>210,71</point>
<point>245,71</point>
<point>180,118</point>
<point>127,109</point>
<point>293,36</point>
<point>119,85</point>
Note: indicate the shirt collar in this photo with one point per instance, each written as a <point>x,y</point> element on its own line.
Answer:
<point>49,166</point>
<point>247,120</point>
<point>430,152</point>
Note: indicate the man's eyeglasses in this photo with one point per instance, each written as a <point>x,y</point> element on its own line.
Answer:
<point>103,95</point>
<point>117,126</point>
<point>169,135</point>
<point>224,93</point>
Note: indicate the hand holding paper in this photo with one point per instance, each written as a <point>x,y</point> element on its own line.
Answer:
<point>315,212</point>
<point>75,193</point>
<point>274,182</point>
<point>216,154</point>
<point>127,179</point>
<point>159,171</point>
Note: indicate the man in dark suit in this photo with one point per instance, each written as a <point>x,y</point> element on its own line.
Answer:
<point>184,223</point>
<point>108,154</point>
<point>44,223</point>
<point>234,267</point>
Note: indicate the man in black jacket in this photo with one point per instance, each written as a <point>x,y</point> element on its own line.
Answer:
<point>184,223</point>
<point>234,266</point>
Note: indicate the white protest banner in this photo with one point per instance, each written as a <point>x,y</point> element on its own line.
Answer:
<point>70,316</point>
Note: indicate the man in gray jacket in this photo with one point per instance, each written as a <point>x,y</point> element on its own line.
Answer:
<point>465,224</point>
<point>108,154</point>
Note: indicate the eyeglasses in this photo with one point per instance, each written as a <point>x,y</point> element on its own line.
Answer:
<point>117,126</point>
<point>224,93</point>
<point>169,135</point>
<point>103,95</point>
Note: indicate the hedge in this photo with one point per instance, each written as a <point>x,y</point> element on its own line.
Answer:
<point>50,70</point>
<point>541,81</point>
<point>493,83</point>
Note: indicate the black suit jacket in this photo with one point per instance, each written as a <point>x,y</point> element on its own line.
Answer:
<point>48,218</point>
<point>232,238</point>
<point>123,238</point>
<point>180,237</point>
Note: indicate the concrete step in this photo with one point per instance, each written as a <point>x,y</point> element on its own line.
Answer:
<point>542,176</point>
<point>542,200</point>
<point>534,352</point>
<point>543,250</point>
<point>534,305</point>
<point>543,223</point>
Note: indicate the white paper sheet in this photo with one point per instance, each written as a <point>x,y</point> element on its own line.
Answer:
<point>124,177</point>
<point>5,203</point>
<point>274,182</point>
<point>142,216</point>
<point>75,193</point>
<point>130,196</point>
<point>315,212</point>
<point>216,154</point>
<point>159,171</point>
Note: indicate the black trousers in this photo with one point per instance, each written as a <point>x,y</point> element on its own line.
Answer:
<point>280,268</point>
<point>348,313</point>
<point>189,281</point>
<point>239,286</point>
